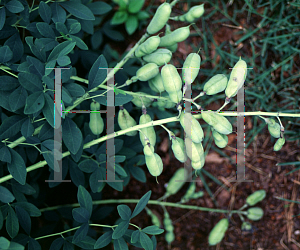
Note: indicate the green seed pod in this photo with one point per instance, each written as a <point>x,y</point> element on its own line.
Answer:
<point>190,68</point>
<point>198,164</point>
<point>177,181</point>
<point>178,149</point>
<point>175,36</point>
<point>160,18</point>
<point>126,121</point>
<point>255,213</point>
<point>237,78</point>
<point>217,121</point>
<point>187,121</point>
<point>148,150</point>
<point>170,237</point>
<point>139,103</point>
<point>147,47</point>
<point>220,139</point>
<point>274,128</point>
<point>156,83</point>
<point>154,164</point>
<point>173,47</point>
<point>246,226</point>
<point>215,85</point>
<point>195,152</point>
<point>256,197</point>
<point>147,72</point>
<point>167,222</point>
<point>279,143</point>
<point>218,232</point>
<point>197,195</point>
<point>155,220</point>
<point>159,57</point>
<point>149,132</point>
<point>172,82</point>
<point>165,104</point>
<point>193,14</point>
<point>96,123</point>
<point>189,192</point>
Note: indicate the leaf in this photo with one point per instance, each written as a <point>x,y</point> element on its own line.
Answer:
<point>120,244</point>
<point>79,10</point>
<point>5,155</point>
<point>32,210</point>
<point>124,212</point>
<point>79,43</point>
<point>135,6</point>
<point>121,99</point>
<point>12,223</point>
<point>17,167</point>
<point>104,240</point>
<point>45,30</point>
<point>71,135</point>
<point>85,199</point>
<point>5,54</point>
<point>61,27</point>
<point>36,66</point>
<point>34,245</point>
<point>34,103</point>
<point>62,49</point>
<point>5,195</point>
<point>45,12</point>
<point>8,83</point>
<point>80,214</point>
<point>98,72</point>
<point>87,243</point>
<point>80,233</point>
<point>120,170</point>
<point>120,230</point>
<point>145,241</point>
<point>4,243</point>
<point>135,236</point>
<point>63,61</point>
<point>48,110</point>
<point>75,89</point>
<point>58,13</point>
<point>2,18</point>
<point>119,17</point>
<point>141,204</point>
<point>14,6</point>
<point>24,219</point>
<point>154,242</point>
<point>153,230</point>
<point>96,39</point>
<point>99,8</point>
<point>57,244</point>
<point>95,184</point>
<point>17,99</point>
<point>138,173</point>
<point>88,165</point>
<point>74,26</point>
<point>76,175</point>
<point>16,46</point>
<point>68,246</point>
<point>30,82</point>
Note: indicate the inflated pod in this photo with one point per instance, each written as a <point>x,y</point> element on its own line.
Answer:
<point>190,191</point>
<point>177,181</point>
<point>215,85</point>
<point>220,140</point>
<point>187,120</point>
<point>156,83</point>
<point>96,123</point>
<point>160,18</point>
<point>140,100</point>
<point>170,237</point>
<point>154,164</point>
<point>255,213</point>
<point>194,151</point>
<point>173,47</point>
<point>148,150</point>
<point>279,143</point>
<point>159,57</point>
<point>175,36</point>
<point>155,220</point>
<point>147,47</point>
<point>190,68</point>
<point>198,164</point>
<point>237,78</point>
<point>218,232</point>
<point>256,197</point>
<point>274,128</point>
<point>147,72</point>
<point>165,104</point>
<point>149,132</point>
<point>172,82</point>
<point>126,121</point>
<point>193,14</point>
<point>179,149</point>
<point>217,121</point>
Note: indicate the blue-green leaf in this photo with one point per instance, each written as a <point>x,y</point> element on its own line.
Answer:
<point>119,17</point>
<point>5,54</point>
<point>30,82</point>
<point>153,230</point>
<point>135,6</point>
<point>68,246</point>
<point>120,230</point>
<point>45,30</point>
<point>131,24</point>
<point>11,126</point>
<point>104,240</point>
<point>96,182</point>
<point>2,17</point>
<point>36,66</point>
<point>76,175</point>
<point>79,43</point>
<point>99,8</point>
<point>141,204</point>
<point>79,10</point>
<point>96,39</point>
<point>17,167</point>
<point>63,61</point>
<point>145,241</point>
<point>58,13</point>
<point>80,214</point>
<point>154,242</point>
<point>34,103</point>
<point>45,12</point>
<point>48,110</point>
<point>120,244</point>
<point>32,210</point>
<point>75,89</point>
<point>81,233</point>
<point>24,219</point>
<point>98,72</point>
<point>8,83</point>
<point>71,135</point>
<point>62,49</point>
<point>73,26</point>
<point>85,199</point>
<point>5,195</point>
<point>135,236</point>
<point>124,212</point>
<point>34,245</point>
<point>27,128</point>
<point>17,99</point>
<point>39,53</point>
<point>86,243</point>
<point>88,165</point>
<point>57,244</point>
<point>61,27</point>
<point>12,223</point>
<point>4,243</point>
<point>14,6</point>
<point>16,46</point>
